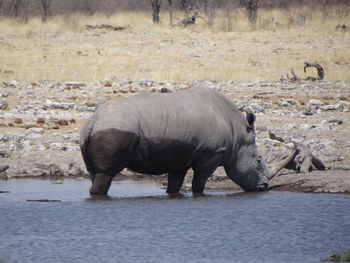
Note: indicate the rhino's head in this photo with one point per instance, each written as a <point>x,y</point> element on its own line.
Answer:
<point>249,170</point>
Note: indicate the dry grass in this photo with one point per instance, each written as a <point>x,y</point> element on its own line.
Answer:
<point>230,49</point>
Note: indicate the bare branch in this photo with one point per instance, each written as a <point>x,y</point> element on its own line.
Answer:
<point>295,78</point>
<point>320,70</point>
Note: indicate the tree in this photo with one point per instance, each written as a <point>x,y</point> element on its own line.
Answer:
<point>44,7</point>
<point>170,12</point>
<point>17,5</point>
<point>184,4</point>
<point>156,9</point>
<point>252,8</point>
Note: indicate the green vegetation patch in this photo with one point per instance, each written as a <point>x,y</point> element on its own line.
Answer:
<point>340,257</point>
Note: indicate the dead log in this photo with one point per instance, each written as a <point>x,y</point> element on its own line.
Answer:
<point>294,77</point>
<point>320,70</point>
<point>108,27</point>
<point>305,161</point>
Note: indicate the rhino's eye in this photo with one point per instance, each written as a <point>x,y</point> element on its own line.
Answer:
<point>259,161</point>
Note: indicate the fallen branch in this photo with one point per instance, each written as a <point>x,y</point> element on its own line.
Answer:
<point>109,27</point>
<point>320,70</point>
<point>293,79</point>
<point>305,161</point>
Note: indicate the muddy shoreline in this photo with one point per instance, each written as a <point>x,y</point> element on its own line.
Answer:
<point>40,124</point>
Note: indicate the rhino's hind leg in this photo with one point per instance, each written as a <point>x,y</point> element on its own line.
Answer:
<point>101,184</point>
<point>110,150</point>
<point>175,181</point>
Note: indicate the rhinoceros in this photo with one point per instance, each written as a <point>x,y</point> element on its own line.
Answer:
<point>170,133</point>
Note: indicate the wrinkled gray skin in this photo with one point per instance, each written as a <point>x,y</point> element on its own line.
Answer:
<point>170,133</point>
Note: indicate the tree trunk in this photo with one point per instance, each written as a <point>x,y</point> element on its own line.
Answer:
<point>156,9</point>
<point>44,9</point>
<point>17,6</point>
<point>185,6</point>
<point>170,12</point>
<point>252,8</point>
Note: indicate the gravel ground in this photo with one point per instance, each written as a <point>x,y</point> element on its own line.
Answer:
<point>40,124</point>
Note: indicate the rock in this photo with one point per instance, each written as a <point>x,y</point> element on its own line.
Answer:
<point>286,133</point>
<point>273,136</point>
<point>37,130</point>
<point>329,107</point>
<point>3,168</point>
<point>74,169</point>
<point>11,83</point>
<point>5,94</point>
<point>75,83</point>
<point>18,121</point>
<point>343,106</point>
<point>108,83</point>
<point>82,107</point>
<point>40,121</point>
<point>3,175</point>
<point>4,105</point>
<point>287,102</point>
<point>254,106</point>
<point>336,121</point>
<point>283,103</point>
<point>43,169</point>
<point>4,153</point>
<point>181,87</point>
<point>146,82</point>
<point>57,182</point>
<point>165,90</point>
<point>53,105</point>
<point>28,125</point>
<point>315,103</point>
<point>62,122</point>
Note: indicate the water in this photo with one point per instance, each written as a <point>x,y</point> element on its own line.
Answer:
<point>140,223</point>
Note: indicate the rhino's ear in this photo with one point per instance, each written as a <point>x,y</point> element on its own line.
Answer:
<point>250,119</point>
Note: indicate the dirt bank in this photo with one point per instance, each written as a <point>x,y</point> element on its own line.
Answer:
<point>40,124</point>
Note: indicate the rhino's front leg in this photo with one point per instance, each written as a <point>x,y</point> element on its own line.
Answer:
<point>204,170</point>
<point>175,181</point>
<point>101,184</point>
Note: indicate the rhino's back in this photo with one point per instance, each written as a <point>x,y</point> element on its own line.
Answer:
<point>197,116</point>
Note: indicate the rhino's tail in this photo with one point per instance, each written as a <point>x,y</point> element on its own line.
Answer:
<point>85,142</point>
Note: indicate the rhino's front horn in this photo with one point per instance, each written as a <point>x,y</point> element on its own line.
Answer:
<point>280,165</point>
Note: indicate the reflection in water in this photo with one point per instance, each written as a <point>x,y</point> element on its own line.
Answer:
<point>139,222</point>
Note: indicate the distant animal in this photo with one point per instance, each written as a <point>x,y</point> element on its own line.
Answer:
<point>189,20</point>
<point>342,27</point>
<point>170,133</point>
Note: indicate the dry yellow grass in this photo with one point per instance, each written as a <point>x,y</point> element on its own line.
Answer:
<point>230,49</point>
